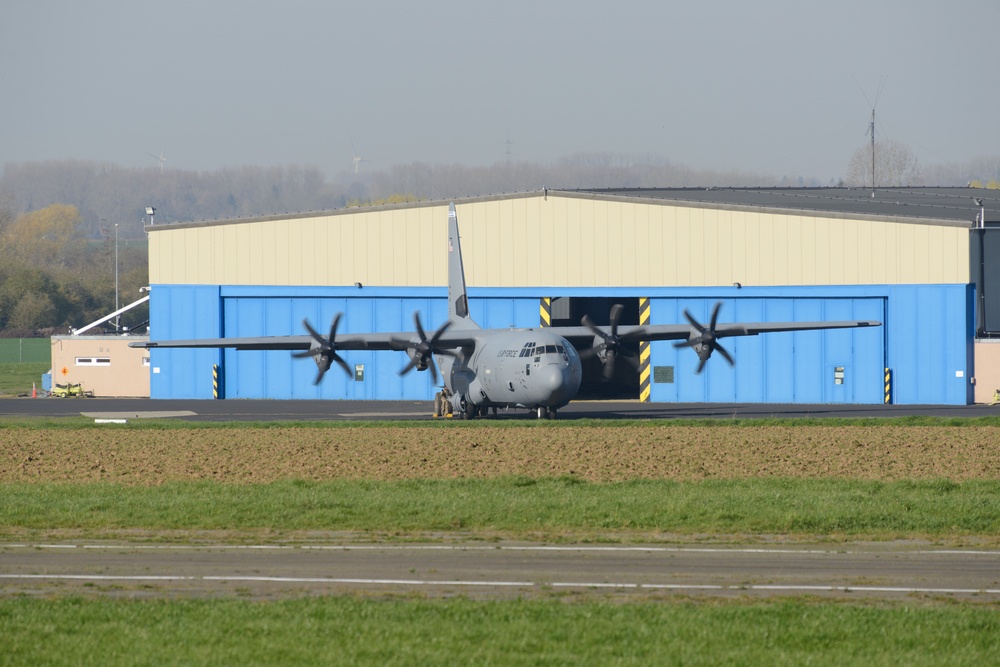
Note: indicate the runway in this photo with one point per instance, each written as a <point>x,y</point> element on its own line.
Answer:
<point>889,571</point>
<point>322,410</point>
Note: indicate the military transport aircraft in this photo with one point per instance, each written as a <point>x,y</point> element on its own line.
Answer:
<point>538,369</point>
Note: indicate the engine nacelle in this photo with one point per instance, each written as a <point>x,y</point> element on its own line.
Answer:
<point>420,361</point>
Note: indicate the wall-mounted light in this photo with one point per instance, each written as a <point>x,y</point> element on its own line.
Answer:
<point>982,211</point>
<point>737,285</point>
<point>358,285</point>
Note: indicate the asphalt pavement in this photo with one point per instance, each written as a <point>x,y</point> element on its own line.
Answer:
<point>892,570</point>
<point>318,410</point>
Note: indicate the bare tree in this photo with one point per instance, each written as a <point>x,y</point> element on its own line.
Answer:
<point>895,166</point>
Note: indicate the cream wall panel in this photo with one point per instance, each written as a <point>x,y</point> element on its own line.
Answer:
<point>524,229</point>
<point>532,249</point>
<point>301,241</point>
<point>346,252</point>
<point>494,255</point>
<point>585,247</point>
<point>372,268</point>
<point>509,246</point>
<point>561,241</point>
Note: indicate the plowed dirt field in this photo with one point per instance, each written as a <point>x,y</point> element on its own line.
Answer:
<point>250,455</point>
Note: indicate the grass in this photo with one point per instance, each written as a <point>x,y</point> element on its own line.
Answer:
<point>518,507</point>
<point>349,630</point>
<point>23,350</point>
<point>16,378</point>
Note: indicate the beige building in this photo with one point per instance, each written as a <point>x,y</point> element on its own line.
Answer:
<point>103,365</point>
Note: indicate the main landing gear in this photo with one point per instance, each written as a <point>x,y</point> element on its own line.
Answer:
<point>467,410</point>
<point>546,413</point>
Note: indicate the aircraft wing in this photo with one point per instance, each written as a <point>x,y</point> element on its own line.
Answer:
<point>258,343</point>
<point>654,332</point>
<point>606,341</point>
<point>364,341</point>
<point>754,328</point>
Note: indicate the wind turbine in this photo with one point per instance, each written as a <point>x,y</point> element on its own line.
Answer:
<point>356,159</point>
<point>162,157</point>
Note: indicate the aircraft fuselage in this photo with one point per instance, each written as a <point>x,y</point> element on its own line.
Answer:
<point>522,368</point>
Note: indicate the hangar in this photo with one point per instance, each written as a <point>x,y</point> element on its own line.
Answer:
<point>906,256</point>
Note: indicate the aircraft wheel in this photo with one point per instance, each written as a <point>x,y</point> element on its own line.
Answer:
<point>543,412</point>
<point>551,414</point>
<point>468,410</point>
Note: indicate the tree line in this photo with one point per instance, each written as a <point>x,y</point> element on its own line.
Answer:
<point>53,277</point>
<point>105,194</point>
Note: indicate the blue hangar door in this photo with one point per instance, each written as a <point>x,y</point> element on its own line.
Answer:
<point>834,366</point>
<point>374,375</point>
<point>275,374</point>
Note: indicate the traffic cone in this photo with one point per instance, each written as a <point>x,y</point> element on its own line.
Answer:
<point>34,392</point>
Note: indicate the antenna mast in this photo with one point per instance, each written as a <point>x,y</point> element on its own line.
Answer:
<point>871,125</point>
<point>872,130</point>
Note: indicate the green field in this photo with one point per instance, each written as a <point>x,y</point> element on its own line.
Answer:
<point>25,350</point>
<point>23,361</point>
<point>16,379</point>
<point>517,508</point>
<point>393,631</point>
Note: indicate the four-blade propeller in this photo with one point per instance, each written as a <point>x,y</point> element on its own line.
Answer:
<point>607,345</point>
<point>707,341</point>
<point>324,350</point>
<point>423,349</point>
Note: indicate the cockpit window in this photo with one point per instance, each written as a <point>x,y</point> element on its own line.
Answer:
<point>550,348</point>
<point>561,349</point>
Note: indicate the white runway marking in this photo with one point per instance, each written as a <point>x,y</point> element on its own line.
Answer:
<point>509,584</point>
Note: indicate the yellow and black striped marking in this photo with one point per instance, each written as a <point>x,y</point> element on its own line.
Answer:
<point>644,368</point>
<point>215,380</point>
<point>545,311</point>
<point>888,386</point>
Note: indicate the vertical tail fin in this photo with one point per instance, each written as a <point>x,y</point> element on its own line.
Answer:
<point>458,301</point>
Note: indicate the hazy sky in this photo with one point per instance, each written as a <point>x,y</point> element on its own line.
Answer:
<point>773,86</point>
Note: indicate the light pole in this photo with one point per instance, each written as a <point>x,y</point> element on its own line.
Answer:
<point>118,318</point>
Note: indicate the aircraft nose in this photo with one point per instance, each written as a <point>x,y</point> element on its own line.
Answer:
<point>552,377</point>
<point>558,382</point>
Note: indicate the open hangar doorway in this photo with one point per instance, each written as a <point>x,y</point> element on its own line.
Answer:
<point>624,384</point>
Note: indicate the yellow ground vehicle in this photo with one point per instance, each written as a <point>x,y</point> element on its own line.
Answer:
<point>70,390</point>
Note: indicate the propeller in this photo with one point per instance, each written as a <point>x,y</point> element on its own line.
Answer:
<point>607,345</point>
<point>707,341</point>
<point>423,349</point>
<point>323,350</point>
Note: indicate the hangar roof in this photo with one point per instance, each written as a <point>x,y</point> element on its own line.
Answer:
<point>953,204</point>
<point>947,206</point>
